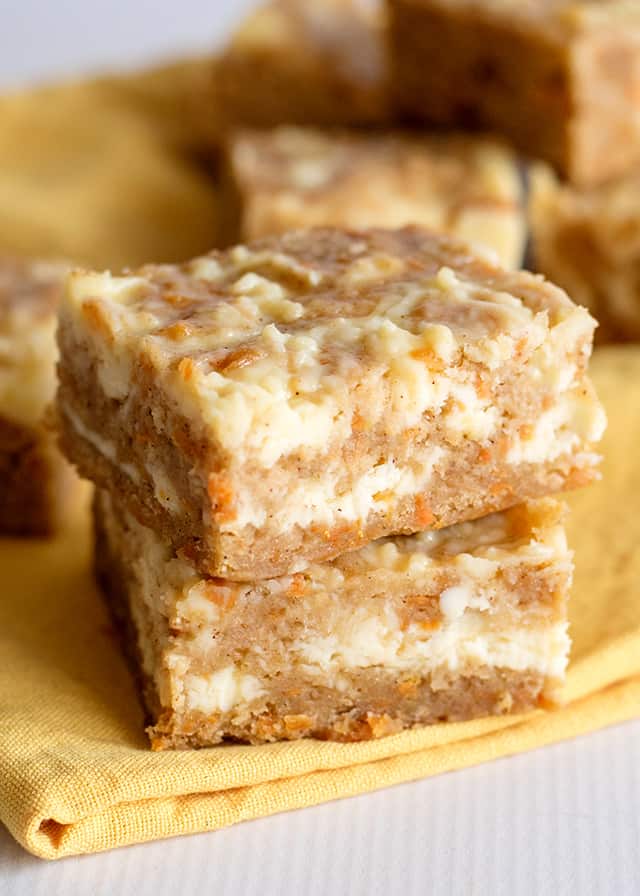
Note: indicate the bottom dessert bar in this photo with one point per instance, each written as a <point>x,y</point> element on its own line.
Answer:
<point>448,625</point>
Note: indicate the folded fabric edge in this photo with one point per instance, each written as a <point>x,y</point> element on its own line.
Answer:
<point>234,767</point>
<point>617,660</point>
<point>145,820</point>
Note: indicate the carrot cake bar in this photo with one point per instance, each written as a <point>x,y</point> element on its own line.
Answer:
<point>34,479</point>
<point>288,400</point>
<point>561,78</point>
<point>294,61</point>
<point>277,180</point>
<point>588,241</point>
<point>448,625</point>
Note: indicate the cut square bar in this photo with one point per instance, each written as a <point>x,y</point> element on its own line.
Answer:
<point>588,241</point>
<point>281,179</point>
<point>560,78</point>
<point>294,61</point>
<point>290,400</point>
<point>35,482</point>
<point>448,625</point>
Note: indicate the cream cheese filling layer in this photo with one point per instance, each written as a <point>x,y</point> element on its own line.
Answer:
<point>318,502</point>
<point>557,432</point>
<point>287,401</point>
<point>459,648</point>
<point>291,386</point>
<point>469,637</point>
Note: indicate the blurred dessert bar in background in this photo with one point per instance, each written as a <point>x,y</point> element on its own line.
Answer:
<point>588,241</point>
<point>35,482</point>
<point>560,78</point>
<point>291,177</point>
<point>305,62</point>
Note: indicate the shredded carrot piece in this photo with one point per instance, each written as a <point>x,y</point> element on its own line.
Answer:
<point>296,722</point>
<point>297,587</point>
<point>179,330</point>
<point>185,368</point>
<point>429,357</point>
<point>95,318</point>
<point>424,514</point>
<point>240,357</point>
<point>225,599</point>
<point>500,487</point>
<point>222,498</point>
<point>358,423</point>
<point>430,625</point>
<point>408,687</point>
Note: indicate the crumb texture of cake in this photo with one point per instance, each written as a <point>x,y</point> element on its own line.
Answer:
<point>34,479</point>
<point>286,401</point>
<point>292,177</point>
<point>588,241</point>
<point>294,61</point>
<point>454,624</point>
<point>560,78</point>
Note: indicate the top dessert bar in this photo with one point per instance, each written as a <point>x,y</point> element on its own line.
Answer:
<point>305,62</point>
<point>34,480</point>
<point>289,400</point>
<point>561,78</point>
<point>301,177</point>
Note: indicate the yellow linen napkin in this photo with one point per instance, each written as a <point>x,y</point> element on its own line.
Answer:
<point>106,173</point>
<point>76,772</point>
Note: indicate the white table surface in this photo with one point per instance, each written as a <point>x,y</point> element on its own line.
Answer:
<point>560,820</point>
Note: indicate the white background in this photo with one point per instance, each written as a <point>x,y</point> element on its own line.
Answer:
<point>562,820</point>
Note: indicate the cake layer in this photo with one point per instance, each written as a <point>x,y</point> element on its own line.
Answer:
<point>35,481</point>
<point>287,401</point>
<point>454,624</point>
<point>281,179</point>
<point>588,241</point>
<point>294,61</point>
<point>561,78</point>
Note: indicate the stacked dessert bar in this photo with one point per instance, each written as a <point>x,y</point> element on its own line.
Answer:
<point>325,463</point>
